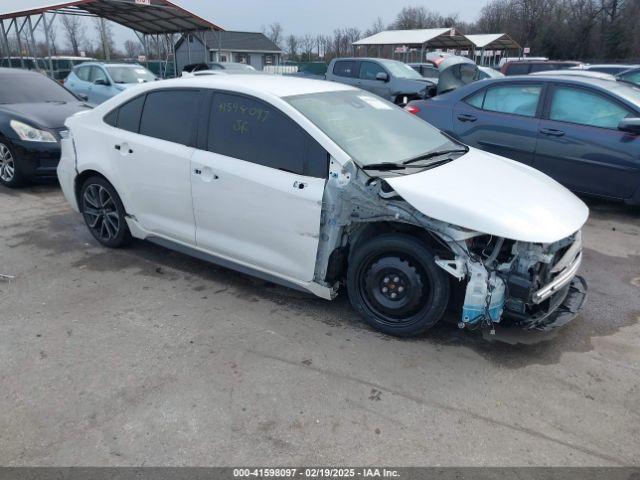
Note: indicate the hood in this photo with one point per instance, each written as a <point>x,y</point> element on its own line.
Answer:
<point>493,195</point>
<point>46,115</point>
<point>455,72</point>
<point>407,85</point>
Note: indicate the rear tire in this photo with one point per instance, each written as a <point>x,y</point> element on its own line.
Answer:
<point>395,285</point>
<point>104,213</point>
<point>10,174</point>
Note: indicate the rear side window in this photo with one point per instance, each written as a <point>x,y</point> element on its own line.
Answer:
<point>545,67</point>
<point>171,115</point>
<point>514,99</point>
<point>127,117</point>
<point>345,68</point>
<point>249,129</point>
<point>476,100</point>
<point>518,69</point>
<point>579,106</point>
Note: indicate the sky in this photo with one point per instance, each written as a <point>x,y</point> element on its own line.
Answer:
<point>311,16</point>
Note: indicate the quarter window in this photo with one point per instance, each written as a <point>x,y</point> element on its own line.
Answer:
<point>171,115</point>
<point>345,69</point>
<point>251,130</point>
<point>127,117</point>
<point>83,73</point>
<point>580,106</point>
<point>369,70</point>
<point>513,99</point>
<point>476,99</point>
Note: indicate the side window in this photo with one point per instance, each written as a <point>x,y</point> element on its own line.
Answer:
<point>518,69</point>
<point>170,115</point>
<point>369,70</point>
<point>345,68</point>
<point>476,100</point>
<point>580,106</point>
<point>430,72</point>
<point>127,117</point>
<point>83,73</point>
<point>251,130</point>
<point>97,74</point>
<point>513,99</point>
<point>633,77</point>
<point>545,67</point>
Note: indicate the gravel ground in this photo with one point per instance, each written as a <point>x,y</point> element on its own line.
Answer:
<point>148,357</point>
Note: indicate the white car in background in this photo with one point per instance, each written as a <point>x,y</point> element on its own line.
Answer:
<point>314,185</point>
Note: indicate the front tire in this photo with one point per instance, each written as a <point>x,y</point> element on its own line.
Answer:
<point>395,285</point>
<point>10,174</point>
<point>104,213</point>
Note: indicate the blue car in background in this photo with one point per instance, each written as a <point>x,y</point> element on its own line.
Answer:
<point>98,82</point>
<point>583,132</point>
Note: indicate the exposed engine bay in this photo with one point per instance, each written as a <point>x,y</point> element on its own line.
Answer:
<point>527,284</point>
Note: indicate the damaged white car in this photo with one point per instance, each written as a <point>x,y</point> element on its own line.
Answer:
<point>318,185</point>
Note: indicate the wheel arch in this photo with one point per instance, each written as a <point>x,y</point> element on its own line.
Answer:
<point>84,176</point>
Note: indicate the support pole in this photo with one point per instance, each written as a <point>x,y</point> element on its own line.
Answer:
<point>34,52</point>
<point>47,37</point>
<point>105,46</point>
<point>146,48</point>
<point>6,43</point>
<point>15,24</point>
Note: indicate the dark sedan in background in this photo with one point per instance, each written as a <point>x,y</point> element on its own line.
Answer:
<point>33,109</point>
<point>583,132</point>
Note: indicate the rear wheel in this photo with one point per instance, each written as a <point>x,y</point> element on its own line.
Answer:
<point>394,283</point>
<point>104,213</point>
<point>10,175</point>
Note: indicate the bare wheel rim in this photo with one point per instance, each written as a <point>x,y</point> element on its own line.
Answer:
<point>100,212</point>
<point>7,164</point>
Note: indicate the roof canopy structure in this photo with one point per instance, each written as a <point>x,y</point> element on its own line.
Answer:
<point>494,41</point>
<point>144,16</point>
<point>430,38</point>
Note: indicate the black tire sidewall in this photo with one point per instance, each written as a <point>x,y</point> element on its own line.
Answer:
<point>123,237</point>
<point>19,179</point>
<point>416,249</point>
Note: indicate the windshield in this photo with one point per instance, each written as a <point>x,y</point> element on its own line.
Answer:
<point>369,129</point>
<point>32,88</point>
<point>132,74</point>
<point>401,70</point>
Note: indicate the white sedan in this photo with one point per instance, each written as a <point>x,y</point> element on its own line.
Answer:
<point>313,185</point>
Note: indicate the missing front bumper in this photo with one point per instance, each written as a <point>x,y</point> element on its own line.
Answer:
<point>567,310</point>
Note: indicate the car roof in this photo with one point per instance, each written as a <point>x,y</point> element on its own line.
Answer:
<point>276,85</point>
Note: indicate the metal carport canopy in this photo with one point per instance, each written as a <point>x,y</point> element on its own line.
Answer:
<point>494,41</point>
<point>144,16</point>
<point>434,38</point>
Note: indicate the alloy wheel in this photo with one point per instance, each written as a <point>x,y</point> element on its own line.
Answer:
<point>100,212</point>
<point>7,164</point>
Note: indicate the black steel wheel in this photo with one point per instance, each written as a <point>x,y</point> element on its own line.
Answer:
<point>394,283</point>
<point>104,213</point>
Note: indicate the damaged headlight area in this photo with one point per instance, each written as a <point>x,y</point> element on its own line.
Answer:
<point>529,285</point>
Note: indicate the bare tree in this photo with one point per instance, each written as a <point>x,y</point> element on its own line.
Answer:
<point>106,44</point>
<point>132,49</point>
<point>307,44</point>
<point>75,31</point>
<point>274,32</point>
<point>292,47</point>
<point>377,27</point>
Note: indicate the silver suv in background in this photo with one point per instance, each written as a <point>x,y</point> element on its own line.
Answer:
<point>392,80</point>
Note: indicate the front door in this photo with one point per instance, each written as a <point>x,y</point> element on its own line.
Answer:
<point>579,143</point>
<point>501,119</point>
<point>258,188</point>
<point>368,81</point>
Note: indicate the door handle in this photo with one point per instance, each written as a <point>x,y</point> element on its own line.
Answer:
<point>299,185</point>
<point>206,174</point>
<point>552,132</point>
<point>119,148</point>
<point>463,117</point>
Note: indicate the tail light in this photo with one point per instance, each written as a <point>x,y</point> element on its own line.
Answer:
<point>412,109</point>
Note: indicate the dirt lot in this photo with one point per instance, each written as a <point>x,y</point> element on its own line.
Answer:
<point>148,357</point>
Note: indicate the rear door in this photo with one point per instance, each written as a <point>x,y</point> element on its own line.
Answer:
<point>501,119</point>
<point>579,143</point>
<point>151,148</point>
<point>257,188</point>
<point>346,71</point>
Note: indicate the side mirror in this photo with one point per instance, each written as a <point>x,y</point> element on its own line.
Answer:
<point>102,81</point>
<point>630,125</point>
<point>382,76</point>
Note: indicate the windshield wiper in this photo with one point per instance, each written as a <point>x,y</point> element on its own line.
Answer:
<point>389,166</point>
<point>437,153</point>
